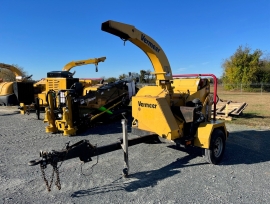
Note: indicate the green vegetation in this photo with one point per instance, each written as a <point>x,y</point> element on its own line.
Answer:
<point>143,77</point>
<point>245,67</point>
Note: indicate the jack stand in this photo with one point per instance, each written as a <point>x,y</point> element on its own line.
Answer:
<point>22,108</point>
<point>125,147</point>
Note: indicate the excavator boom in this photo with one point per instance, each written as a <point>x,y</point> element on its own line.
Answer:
<point>149,46</point>
<point>72,64</point>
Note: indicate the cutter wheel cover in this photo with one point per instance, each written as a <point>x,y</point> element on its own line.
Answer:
<point>7,95</point>
<point>14,70</point>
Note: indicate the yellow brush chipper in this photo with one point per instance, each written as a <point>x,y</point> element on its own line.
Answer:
<point>174,109</point>
<point>15,92</point>
<point>58,80</point>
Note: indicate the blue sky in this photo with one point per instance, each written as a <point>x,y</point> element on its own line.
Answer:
<point>196,35</point>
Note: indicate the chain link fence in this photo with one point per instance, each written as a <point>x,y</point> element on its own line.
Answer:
<point>259,88</point>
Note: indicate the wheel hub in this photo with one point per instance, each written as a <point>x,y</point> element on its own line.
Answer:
<point>218,146</point>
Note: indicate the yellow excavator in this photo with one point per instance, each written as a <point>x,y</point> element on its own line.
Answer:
<point>176,109</point>
<point>20,90</point>
<point>58,80</point>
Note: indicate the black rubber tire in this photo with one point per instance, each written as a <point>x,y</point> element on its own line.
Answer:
<point>214,154</point>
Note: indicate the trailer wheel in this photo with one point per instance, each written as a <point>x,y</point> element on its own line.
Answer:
<point>215,153</point>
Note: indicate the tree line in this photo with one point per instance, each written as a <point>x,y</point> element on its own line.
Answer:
<point>246,67</point>
<point>242,67</point>
<point>145,76</point>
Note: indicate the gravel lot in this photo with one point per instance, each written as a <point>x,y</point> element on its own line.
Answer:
<point>159,173</point>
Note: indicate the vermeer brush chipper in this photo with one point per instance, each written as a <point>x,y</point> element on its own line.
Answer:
<point>177,110</point>
<point>19,91</point>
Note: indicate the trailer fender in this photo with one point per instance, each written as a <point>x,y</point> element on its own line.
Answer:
<point>204,132</point>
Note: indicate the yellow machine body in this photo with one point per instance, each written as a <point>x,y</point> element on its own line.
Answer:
<point>6,88</point>
<point>67,112</point>
<point>12,93</point>
<point>156,112</point>
<point>59,83</point>
<point>48,84</point>
<point>205,130</point>
<point>65,124</point>
<point>151,106</point>
<point>151,109</point>
<point>49,116</point>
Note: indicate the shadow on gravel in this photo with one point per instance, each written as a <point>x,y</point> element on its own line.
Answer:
<point>151,178</point>
<point>141,179</point>
<point>247,147</point>
<point>108,127</point>
<point>244,147</point>
<point>8,114</point>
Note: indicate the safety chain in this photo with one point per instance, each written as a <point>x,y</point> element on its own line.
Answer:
<point>92,167</point>
<point>57,182</point>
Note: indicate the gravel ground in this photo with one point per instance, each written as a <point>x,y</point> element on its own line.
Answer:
<point>159,173</point>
